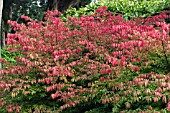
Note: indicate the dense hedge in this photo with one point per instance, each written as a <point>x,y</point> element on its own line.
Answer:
<point>128,8</point>
<point>94,63</point>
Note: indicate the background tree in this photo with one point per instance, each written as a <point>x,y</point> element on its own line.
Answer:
<point>6,15</point>
<point>63,5</point>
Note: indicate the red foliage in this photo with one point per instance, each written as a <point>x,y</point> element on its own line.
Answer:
<point>58,55</point>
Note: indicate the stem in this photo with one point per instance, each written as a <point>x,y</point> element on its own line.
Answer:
<point>166,58</point>
<point>88,37</point>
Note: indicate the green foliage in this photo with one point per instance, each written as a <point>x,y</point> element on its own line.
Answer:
<point>8,56</point>
<point>29,8</point>
<point>128,8</point>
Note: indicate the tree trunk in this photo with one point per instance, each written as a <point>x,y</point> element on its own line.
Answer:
<point>1,7</point>
<point>65,4</point>
<point>61,5</point>
<point>6,15</point>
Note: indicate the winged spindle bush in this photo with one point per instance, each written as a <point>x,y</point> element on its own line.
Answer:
<point>68,64</point>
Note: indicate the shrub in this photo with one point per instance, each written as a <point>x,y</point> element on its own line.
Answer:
<point>85,63</point>
<point>128,8</point>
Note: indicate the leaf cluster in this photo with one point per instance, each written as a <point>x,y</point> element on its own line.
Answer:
<point>72,66</point>
<point>128,8</point>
